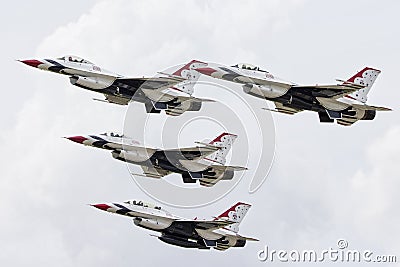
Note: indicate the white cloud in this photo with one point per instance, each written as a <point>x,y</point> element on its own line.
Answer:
<point>47,181</point>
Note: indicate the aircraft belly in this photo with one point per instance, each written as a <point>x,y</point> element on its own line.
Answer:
<point>207,234</point>
<point>152,223</point>
<point>332,104</point>
<point>95,83</point>
<point>157,95</point>
<point>192,166</point>
<point>136,156</point>
<point>273,91</point>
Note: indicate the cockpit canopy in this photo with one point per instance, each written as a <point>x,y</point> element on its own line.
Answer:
<point>75,59</point>
<point>246,66</point>
<point>141,203</point>
<point>111,134</point>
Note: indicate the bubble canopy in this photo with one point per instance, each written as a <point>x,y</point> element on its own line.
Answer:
<point>76,59</point>
<point>112,134</point>
<point>141,203</point>
<point>247,66</point>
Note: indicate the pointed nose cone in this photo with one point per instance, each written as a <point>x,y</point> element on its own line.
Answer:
<point>206,71</point>
<point>101,206</point>
<point>77,139</point>
<point>32,62</point>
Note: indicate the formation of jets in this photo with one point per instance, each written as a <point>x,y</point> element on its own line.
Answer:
<point>344,102</point>
<point>220,233</point>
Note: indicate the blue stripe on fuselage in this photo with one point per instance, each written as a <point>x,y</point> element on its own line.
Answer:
<point>57,66</point>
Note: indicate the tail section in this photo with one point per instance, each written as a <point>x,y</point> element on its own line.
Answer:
<point>236,214</point>
<point>190,75</point>
<point>367,78</point>
<point>224,141</point>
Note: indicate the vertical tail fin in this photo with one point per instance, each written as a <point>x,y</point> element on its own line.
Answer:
<point>190,75</point>
<point>224,141</point>
<point>236,214</point>
<point>367,78</point>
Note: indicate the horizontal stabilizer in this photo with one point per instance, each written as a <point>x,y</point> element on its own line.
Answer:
<point>174,77</point>
<point>204,100</point>
<point>100,100</point>
<point>150,175</point>
<point>230,168</point>
<point>208,145</point>
<point>355,85</point>
<point>249,238</point>
<point>284,111</point>
<point>367,107</point>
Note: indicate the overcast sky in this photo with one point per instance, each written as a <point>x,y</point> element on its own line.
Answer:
<point>327,181</point>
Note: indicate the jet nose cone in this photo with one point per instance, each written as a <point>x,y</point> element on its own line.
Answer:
<point>206,71</point>
<point>101,206</point>
<point>32,62</point>
<point>77,139</point>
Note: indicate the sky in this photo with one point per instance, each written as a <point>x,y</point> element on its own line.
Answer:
<point>326,182</point>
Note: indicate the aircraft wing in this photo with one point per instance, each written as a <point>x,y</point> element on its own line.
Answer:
<point>133,148</point>
<point>148,83</point>
<point>203,225</point>
<point>253,80</point>
<point>331,91</point>
<point>190,153</point>
<point>150,87</point>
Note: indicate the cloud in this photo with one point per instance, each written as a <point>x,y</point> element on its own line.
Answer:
<point>140,37</point>
<point>326,180</point>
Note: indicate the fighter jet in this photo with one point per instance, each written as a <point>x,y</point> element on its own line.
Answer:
<point>344,102</point>
<point>204,163</point>
<point>220,233</point>
<point>121,90</point>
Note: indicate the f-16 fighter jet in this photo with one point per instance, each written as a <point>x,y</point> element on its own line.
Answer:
<point>204,163</point>
<point>220,233</point>
<point>344,102</point>
<point>120,90</point>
